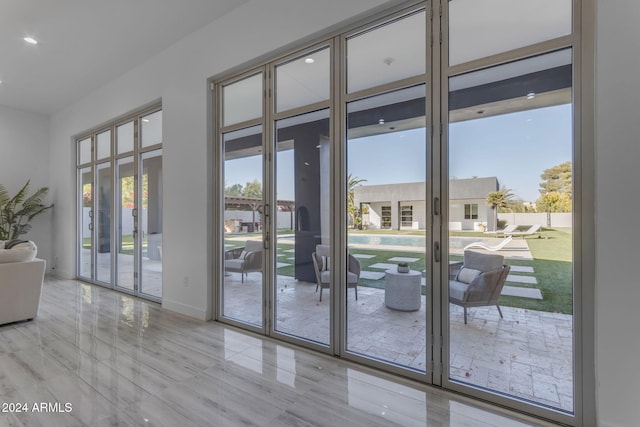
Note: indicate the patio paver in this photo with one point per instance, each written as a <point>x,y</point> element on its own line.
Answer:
<point>531,280</point>
<point>514,291</point>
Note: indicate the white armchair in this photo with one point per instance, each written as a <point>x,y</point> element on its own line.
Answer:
<point>21,276</point>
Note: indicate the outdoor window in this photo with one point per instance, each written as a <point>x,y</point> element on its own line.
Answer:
<point>406,216</point>
<point>471,211</point>
<point>385,217</point>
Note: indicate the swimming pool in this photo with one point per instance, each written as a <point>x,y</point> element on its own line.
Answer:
<point>386,240</point>
<point>397,240</point>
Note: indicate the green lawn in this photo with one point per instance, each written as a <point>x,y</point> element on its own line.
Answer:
<point>127,244</point>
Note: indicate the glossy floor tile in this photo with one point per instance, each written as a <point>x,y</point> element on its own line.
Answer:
<point>94,357</point>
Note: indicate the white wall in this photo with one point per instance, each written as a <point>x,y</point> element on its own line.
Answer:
<point>617,203</point>
<point>558,219</point>
<point>178,76</point>
<point>24,155</point>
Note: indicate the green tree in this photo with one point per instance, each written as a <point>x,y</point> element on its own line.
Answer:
<point>253,189</point>
<point>554,202</point>
<point>557,179</point>
<point>233,190</point>
<point>353,211</point>
<point>499,199</point>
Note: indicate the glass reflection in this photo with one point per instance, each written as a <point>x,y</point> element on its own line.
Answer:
<point>387,221</point>
<point>243,263</point>
<point>303,217</point>
<point>513,335</point>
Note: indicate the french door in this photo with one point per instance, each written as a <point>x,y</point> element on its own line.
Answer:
<point>120,206</point>
<point>394,147</point>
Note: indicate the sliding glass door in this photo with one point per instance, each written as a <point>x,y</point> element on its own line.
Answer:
<point>402,195</point>
<point>120,206</point>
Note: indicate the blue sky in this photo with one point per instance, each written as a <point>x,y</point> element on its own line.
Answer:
<point>516,148</point>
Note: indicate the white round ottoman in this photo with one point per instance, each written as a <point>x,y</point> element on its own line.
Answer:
<point>402,290</point>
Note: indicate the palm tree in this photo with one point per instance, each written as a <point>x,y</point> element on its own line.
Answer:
<point>352,210</point>
<point>499,199</point>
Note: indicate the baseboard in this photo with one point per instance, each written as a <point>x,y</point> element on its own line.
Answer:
<point>60,274</point>
<point>184,309</point>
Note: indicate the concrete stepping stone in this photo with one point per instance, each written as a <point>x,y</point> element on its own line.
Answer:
<point>282,264</point>
<point>383,266</point>
<point>403,259</point>
<point>371,275</point>
<point>521,269</point>
<point>363,256</point>
<point>289,250</point>
<point>530,280</point>
<point>515,291</point>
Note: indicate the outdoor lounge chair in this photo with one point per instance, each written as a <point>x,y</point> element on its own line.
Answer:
<point>531,231</point>
<point>244,260</point>
<point>478,281</point>
<point>507,230</point>
<point>322,267</point>
<point>484,246</point>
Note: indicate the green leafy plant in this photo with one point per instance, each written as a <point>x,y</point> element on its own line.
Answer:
<point>18,211</point>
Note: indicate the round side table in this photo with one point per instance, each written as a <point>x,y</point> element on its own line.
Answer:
<point>402,290</point>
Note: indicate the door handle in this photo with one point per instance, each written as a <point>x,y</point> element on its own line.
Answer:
<point>436,251</point>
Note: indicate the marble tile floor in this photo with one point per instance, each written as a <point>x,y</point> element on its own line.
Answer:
<point>527,354</point>
<point>118,360</point>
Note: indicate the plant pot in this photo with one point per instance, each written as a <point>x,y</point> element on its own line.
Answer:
<point>403,269</point>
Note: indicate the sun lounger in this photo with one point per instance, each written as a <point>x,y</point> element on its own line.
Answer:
<point>486,247</point>
<point>531,231</point>
<point>505,231</point>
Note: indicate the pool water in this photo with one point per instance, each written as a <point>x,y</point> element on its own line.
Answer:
<point>395,240</point>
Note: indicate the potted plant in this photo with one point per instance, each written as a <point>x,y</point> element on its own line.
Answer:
<point>403,267</point>
<point>17,212</point>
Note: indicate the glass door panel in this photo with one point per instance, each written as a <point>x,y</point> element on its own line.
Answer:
<point>102,222</point>
<point>302,298</point>
<point>242,291</point>
<point>388,53</point>
<point>150,224</point>
<point>125,234</point>
<point>387,221</point>
<point>510,216</point>
<point>86,223</point>
<point>472,38</point>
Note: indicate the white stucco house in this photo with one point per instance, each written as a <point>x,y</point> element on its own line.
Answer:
<point>402,206</point>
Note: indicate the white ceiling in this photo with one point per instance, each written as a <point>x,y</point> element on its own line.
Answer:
<point>84,44</point>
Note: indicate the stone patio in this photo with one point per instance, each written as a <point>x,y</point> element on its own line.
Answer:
<point>528,354</point>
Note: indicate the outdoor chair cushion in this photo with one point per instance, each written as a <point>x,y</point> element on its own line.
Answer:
<point>457,290</point>
<point>234,263</point>
<point>467,275</point>
<point>325,277</point>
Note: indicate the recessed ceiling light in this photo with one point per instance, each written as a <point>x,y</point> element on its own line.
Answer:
<point>145,120</point>
<point>531,95</point>
<point>381,121</point>
<point>30,40</point>
<point>309,60</point>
